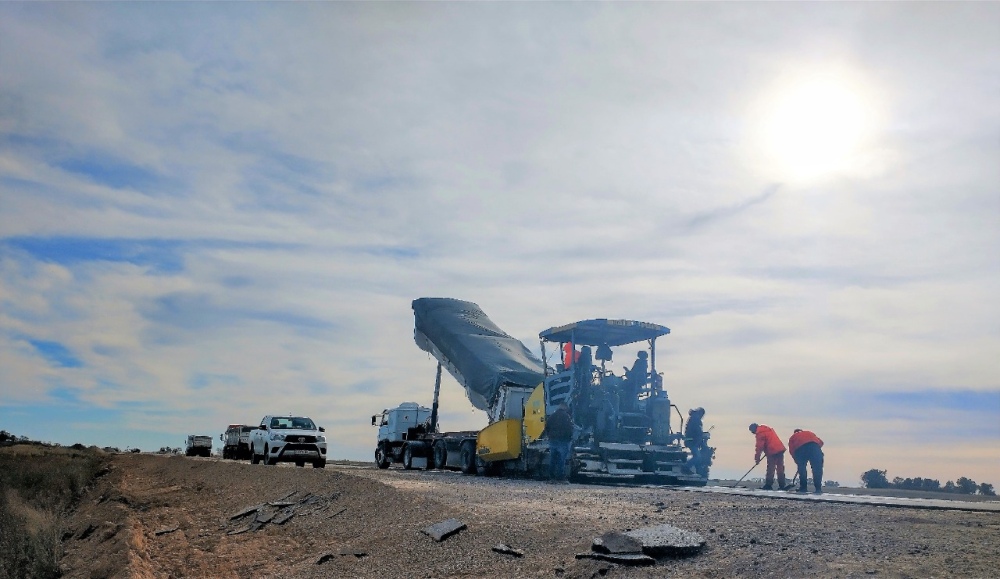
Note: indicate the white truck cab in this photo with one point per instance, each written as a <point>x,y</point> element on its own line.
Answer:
<point>288,438</point>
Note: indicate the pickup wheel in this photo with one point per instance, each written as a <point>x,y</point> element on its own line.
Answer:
<point>468,457</point>
<point>254,457</point>
<point>267,457</point>
<point>319,464</point>
<point>407,457</point>
<point>300,463</point>
<point>381,457</point>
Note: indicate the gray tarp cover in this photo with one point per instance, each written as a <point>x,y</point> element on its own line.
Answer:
<point>481,356</point>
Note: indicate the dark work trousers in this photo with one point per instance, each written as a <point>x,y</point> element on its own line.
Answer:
<point>811,453</point>
<point>775,464</point>
<point>558,454</point>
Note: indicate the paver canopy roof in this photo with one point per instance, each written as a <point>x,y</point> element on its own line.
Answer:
<point>480,355</point>
<point>602,331</point>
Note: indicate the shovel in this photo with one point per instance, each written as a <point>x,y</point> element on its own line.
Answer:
<point>745,475</point>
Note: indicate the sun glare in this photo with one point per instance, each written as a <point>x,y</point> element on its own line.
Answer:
<point>813,127</point>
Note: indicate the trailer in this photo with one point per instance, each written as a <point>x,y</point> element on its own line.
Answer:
<point>622,422</point>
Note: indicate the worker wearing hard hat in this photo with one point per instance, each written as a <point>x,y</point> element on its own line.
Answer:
<point>806,447</point>
<point>771,447</point>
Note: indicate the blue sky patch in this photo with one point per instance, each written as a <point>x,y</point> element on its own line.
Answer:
<point>161,255</point>
<point>56,354</point>
<point>111,172</point>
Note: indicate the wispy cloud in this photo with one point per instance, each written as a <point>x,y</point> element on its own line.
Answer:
<point>202,204</point>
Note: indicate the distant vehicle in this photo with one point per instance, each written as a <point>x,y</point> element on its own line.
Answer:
<point>198,445</point>
<point>236,441</point>
<point>288,439</point>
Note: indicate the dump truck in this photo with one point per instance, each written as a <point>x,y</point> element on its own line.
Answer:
<point>622,422</point>
<point>198,445</point>
<point>236,441</point>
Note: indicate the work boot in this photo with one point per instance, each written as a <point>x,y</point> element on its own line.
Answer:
<point>818,492</point>
<point>767,488</point>
<point>802,490</point>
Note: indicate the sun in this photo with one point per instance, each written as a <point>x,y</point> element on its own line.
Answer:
<point>813,127</point>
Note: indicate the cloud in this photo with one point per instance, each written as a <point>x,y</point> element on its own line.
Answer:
<point>202,206</point>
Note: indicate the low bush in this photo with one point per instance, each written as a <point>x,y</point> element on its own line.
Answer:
<point>38,484</point>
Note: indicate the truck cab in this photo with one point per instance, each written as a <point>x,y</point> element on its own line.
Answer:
<point>396,426</point>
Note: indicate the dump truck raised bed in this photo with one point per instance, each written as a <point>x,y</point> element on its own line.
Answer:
<point>622,422</point>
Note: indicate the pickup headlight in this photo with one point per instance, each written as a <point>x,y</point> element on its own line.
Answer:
<point>275,436</point>
<point>320,438</point>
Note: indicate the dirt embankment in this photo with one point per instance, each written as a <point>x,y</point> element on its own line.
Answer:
<point>156,516</point>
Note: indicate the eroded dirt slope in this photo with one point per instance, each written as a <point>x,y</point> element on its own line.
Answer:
<point>156,516</point>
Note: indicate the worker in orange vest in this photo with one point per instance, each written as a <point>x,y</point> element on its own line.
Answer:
<point>570,355</point>
<point>806,447</point>
<point>770,446</point>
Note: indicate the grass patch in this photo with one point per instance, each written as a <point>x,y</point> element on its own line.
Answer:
<point>38,484</point>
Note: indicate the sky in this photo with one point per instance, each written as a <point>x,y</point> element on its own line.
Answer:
<point>210,212</point>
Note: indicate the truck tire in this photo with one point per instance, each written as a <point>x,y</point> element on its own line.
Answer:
<point>407,457</point>
<point>381,457</point>
<point>440,455</point>
<point>468,458</point>
<point>254,457</point>
<point>300,463</point>
<point>319,464</point>
<point>267,457</point>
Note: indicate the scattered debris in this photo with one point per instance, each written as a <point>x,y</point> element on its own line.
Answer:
<point>441,531</point>
<point>165,530</point>
<point>283,516</point>
<point>239,531</point>
<point>337,513</point>
<point>245,512</point>
<point>324,558</point>
<point>356,554</point>
<point>620,558</point>
<point>508,550</point>
<point>615,542</point>
<point>668,541</point>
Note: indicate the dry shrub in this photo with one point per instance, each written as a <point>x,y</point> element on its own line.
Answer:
<point>38,484</point>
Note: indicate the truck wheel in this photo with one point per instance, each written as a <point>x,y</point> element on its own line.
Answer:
<point>267,457</point>
<point>254,457</point>
<point>440,455</point>
<point>381,458</point>
<point>319,464</point>
<point>468,458</point>
<point>407,457</point>
<point>300,463</point>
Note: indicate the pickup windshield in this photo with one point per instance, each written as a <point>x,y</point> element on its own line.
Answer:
<point>288,422</point>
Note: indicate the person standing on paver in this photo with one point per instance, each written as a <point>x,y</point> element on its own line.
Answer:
<point>559,430</point>
<point>770,446</point>
<point>806,447</point>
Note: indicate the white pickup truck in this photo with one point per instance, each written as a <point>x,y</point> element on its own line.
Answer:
<point>288,439</point>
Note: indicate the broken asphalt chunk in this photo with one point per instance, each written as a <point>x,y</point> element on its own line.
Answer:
<point>324,558</point>
<point>441,531</point>
<point>615,542</point>
<point>667,541</point>
<point>245,512</point>
<point>620,558</point>
<point>508,550</point>
<point>283,517</point>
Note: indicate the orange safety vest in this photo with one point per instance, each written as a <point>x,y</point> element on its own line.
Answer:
<point>570,355</point>
<point>767,441</point>
<point>800,438</point>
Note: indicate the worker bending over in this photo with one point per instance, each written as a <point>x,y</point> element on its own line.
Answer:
<point>806,447</point>
<point>771,447</point>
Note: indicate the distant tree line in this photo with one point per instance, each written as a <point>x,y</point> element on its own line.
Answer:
<point>877,479</point>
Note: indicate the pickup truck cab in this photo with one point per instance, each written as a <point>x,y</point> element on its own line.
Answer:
<point>288,439</point>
